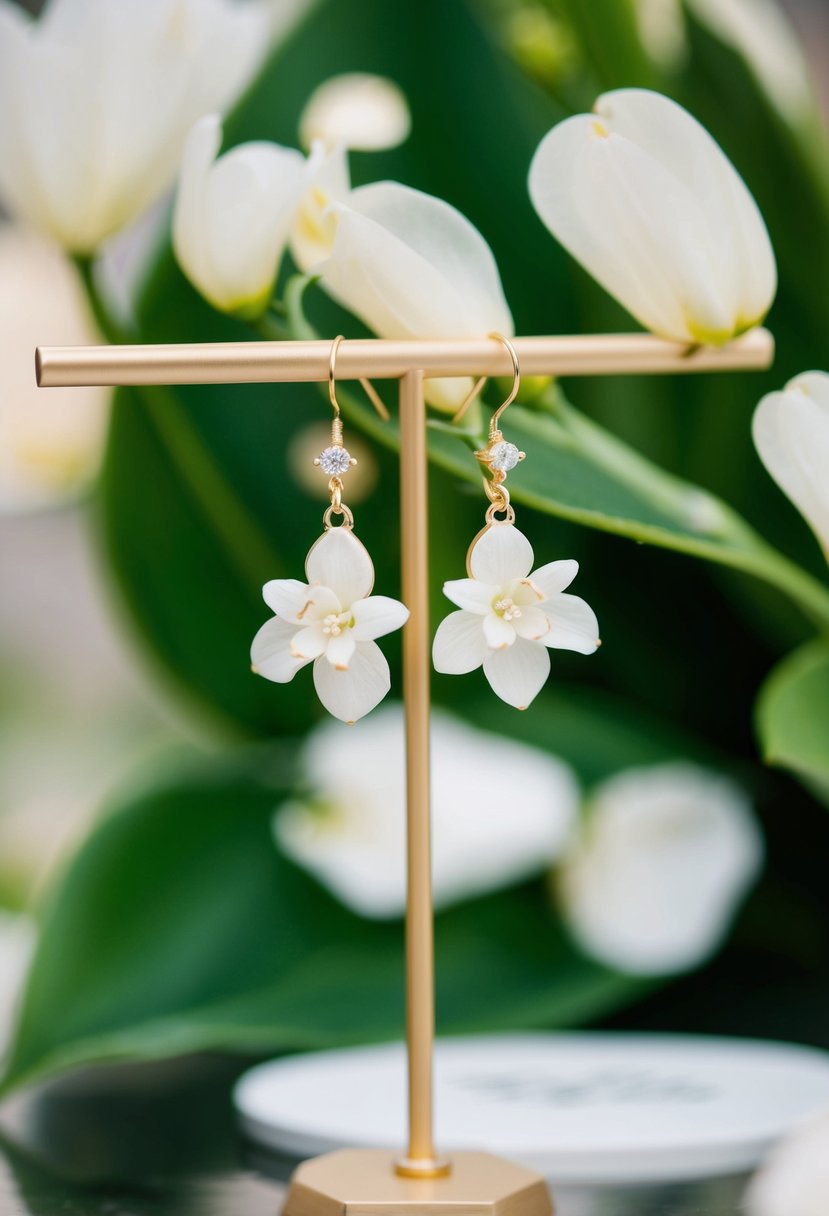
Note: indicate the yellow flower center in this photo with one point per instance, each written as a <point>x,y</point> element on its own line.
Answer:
<point>507,609</point>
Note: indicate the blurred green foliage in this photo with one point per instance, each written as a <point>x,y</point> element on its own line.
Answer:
<point>179,927</point>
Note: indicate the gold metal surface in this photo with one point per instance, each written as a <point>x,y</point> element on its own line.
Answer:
<point>420,968</point>
<point>270,362</point>
<point>362,1182</point>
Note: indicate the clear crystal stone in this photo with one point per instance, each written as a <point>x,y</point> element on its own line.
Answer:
<point>335,461</point>
<point>504,456</point>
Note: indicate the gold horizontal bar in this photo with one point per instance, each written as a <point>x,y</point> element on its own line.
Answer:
<point>271,362</point>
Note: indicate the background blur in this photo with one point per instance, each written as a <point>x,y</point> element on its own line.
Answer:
<point>126,612</point>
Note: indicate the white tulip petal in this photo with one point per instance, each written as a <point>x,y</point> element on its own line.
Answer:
<point>498,633</point>
<point>233,216</point>
<point>500,555</point>
<point>791,433</point>
<point>340,561</point>
<point>533,623</point>
<point>99,98</point>
<point>742,251</point>
<point>459,644</point>
<point>357,848</point>
<point>471,595</point>
<point>554,577</point>
<point>349,695</point>
<point>517,674</point>
<point>200,151</point>
<point>340,650</point>
<point>270,653</point>
<point>410,265</point>
<point>377,616</point>
<point>642,196</point>
<point>356,110</point>
<point>573,625</point>
<point>666,856</point>
<point>309,643</point>
<point>794,1177</point>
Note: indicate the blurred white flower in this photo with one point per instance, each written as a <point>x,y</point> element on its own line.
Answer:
<point>97,97</point>
<point>663,860</point>
<point>760,31</point>
<point>661,28</point>
<point>794,1181</point>
<point>411,266</point>
<point>791,433</point>
<point>233,215</point>
<point>356,110</point>
<point>645,199</point>
<point>17,943</point>
<point>330,621</point>
<point>509,617</point>
<point>51,443</point>
<point>350,830</point>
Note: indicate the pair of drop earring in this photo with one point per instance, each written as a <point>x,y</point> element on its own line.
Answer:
<point>507,619</point>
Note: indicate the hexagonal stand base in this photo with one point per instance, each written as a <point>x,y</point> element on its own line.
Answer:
<point>359,1182</point>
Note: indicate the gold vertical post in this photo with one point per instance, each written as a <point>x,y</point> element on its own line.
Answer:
<point>420,1160</point>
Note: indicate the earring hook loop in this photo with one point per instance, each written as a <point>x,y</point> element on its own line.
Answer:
<point>332,382</point>
<point>478,386</point>
<point>369,389</point>
<point>516,380</point>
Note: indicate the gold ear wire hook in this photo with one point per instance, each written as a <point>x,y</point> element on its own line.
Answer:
<point>369,389</point>
<point>477,387</point>
<point>516,381</point>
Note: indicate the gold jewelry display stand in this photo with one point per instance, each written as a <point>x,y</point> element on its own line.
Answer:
<point>358,1181</point>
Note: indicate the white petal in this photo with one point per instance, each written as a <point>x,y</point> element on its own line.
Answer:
<point>270,652</point>
<point>233,216</point>
<point>648,203</point>
<point>666,856</point>
<point>791,433</point>
<point>309,643</point>
<point>340,650</point>
<point>358,849</point>
<point>501,554</point>
<point>340,561</point>
<point>554,577</point>
<point>289,598</point>
<point>468,593</point>
<point>740,243</point>
<point>410,265</point>
<point>356,110</point>
<point>351,694</point>
<point>498,633</point>
<point>794,1177</point>
<point>189,236</point>
<point>459,644</point>
<point>315,225</point>
<point>573,625</point>
<point>533,623</point>
<point>377,616</point>
<point>517,674</point>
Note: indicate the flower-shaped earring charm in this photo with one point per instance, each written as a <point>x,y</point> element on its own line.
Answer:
<point>509,616</point>
<point>331,620</point>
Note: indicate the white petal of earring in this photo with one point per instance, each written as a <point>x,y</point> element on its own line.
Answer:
<point>332,619</point>
<point>509,617</point>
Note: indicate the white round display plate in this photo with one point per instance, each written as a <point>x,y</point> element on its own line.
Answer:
<point>589,1108</point>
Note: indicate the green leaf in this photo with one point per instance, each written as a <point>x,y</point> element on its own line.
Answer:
<point>793,714</point>
<point>180,928</point>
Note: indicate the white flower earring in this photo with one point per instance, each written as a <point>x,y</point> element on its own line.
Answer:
<point>332,619</point>
<point>509,618</point>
